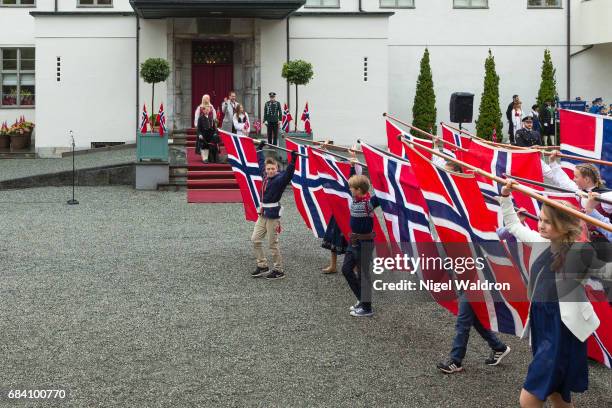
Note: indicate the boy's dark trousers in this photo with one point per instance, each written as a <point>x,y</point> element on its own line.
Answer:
<point>360,254</point>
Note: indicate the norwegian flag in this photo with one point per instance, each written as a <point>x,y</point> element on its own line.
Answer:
<point>306,119</point>
<point>257,126</point>
<point>397,147</point>
<point>586,135</point>
<point>599,345</point>
<point>144,120</point>
<point>458,139</point>
<point>247,125</point>
<point>335,177</point>
<point>310,198</point>
<point>286,119</point>
<point>468,229</point>
<point>406,216</point>
<point>161,119</point>
<point>245,162</point>
<point>520,163</point>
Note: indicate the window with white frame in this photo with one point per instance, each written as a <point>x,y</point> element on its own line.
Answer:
<point>470,3</point>
<point>322,3</point>
<point>18,3</point>
<point>95,3</point>
<point>543,3</point>
<point>397,3</point>
<point>17,76</point>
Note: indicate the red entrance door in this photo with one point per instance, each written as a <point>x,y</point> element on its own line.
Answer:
<point>212,72</point>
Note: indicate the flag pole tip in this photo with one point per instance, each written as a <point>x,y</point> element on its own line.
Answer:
<point>384,114</point>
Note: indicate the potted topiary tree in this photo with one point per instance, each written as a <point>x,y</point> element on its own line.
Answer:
<point>297,72</point>
<point>152,71</point>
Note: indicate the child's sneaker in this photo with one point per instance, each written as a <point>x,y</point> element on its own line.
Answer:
<point>275,275</point>
<point>496,356</point>
<point>259,272</point>
<point>450,367</point>
<point>355,306</point>
<point>361,312</point>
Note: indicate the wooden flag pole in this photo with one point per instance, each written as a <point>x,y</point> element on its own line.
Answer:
<point>339,156</point>
<point>323,144</point>
<point>429,135</point>
<point>515,186</point>
<point>258,141</point>
<point>507,146</point>
<point>557,188</point>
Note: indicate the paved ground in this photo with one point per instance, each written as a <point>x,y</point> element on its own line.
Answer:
<point>137,299</point>
<point>17,168</point>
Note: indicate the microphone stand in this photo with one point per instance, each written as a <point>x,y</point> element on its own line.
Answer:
<point>72,201</point>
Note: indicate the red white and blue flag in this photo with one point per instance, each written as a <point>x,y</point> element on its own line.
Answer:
<point>468,229</point>
<point>335,175</point>
<point>306,119</point>
<point>144,120</point>
<point>586,135</point>
<point>243,158</point>
<point>498,161</point>
<point>161,119</point>
<point>599,345</point>
<point>310,199</point>
<point>406,217</point>
<point>286,119</point>
<point>397,147</point>
<point>456,138</point>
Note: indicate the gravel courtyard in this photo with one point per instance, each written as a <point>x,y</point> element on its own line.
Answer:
<point>138,299</point>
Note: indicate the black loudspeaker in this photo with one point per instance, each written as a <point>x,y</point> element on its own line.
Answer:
<point>461,107</point>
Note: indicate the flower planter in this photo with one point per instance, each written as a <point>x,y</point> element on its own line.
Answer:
<point>28,135</point>
<point>5,142</point>
<point>19,142</point>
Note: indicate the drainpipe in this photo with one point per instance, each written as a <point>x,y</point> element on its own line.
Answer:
<point>569,39</point>
<point>288,90</point>
<point>360,9</point>
<point>137,68</point>
<point>56,6</point>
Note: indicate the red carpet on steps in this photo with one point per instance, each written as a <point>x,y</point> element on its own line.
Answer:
<point>209,183</point>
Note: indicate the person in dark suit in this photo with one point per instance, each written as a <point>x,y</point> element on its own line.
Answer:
<point>515,99</point>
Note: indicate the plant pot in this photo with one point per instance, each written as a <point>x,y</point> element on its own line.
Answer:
<point>5,141</point>
<point>28,135</point>
<point>18,142</point>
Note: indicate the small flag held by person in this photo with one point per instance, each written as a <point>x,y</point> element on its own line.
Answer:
<point>247,125</point>
<point>306,119</point>
<point>161,119</point>
<point>286,119</point>
<point>144,120</point>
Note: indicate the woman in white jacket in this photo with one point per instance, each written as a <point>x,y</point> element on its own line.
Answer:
<point>517,117</point>
<point>200,108</point>
<point>241,121</point>
<point>561,318</point>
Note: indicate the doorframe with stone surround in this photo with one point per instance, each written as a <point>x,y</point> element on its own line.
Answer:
<point>244,34</point>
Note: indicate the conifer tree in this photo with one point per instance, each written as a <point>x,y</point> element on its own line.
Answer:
<point>424,107</point>
<point>489,115</point>
<point>548,86</point>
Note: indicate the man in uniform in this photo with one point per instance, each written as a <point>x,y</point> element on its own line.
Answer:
<point>526,136</point>
<point>272,117</point>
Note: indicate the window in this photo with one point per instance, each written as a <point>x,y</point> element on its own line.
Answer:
<point>95,3</point>
<point>470,3</point>
<point>397,3</point>
<point>323,3</point>
<point>17,3</point>
<point>17,76</point>
<point>543,3</point>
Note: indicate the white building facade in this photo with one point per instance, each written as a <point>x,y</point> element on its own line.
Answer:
<point>73,64</point>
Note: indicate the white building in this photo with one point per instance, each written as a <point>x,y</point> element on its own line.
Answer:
<point>73,64</point>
